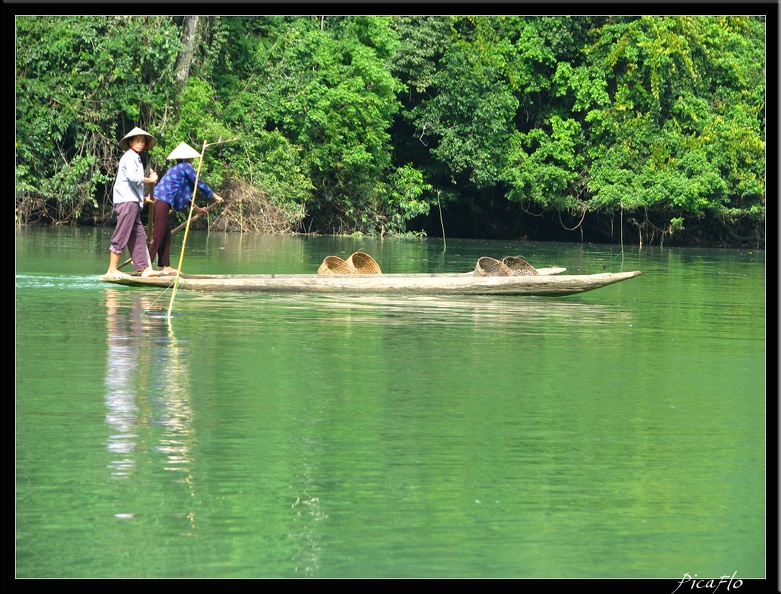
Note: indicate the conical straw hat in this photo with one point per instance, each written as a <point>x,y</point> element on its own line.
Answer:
<point>184,151</point>
<point>123,144</point>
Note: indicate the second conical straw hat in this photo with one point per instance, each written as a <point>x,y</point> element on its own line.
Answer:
<point>184,151</point>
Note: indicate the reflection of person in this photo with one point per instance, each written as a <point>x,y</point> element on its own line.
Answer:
<point>128,202</point>
<point>175,189</point>
<point>124,339</point>
<point>149,414</point>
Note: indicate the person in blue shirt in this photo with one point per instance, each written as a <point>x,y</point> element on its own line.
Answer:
<point>128,198</point>
<point>175,190</point>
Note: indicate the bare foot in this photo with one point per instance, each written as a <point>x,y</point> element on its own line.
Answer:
<point>148,271</point>
<point>114,274</point>
<point>168,271</point>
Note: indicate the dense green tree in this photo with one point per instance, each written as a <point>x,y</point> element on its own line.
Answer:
<point>468,115</point>
<point>324,87</point>
<point>683,105</point>
<point>81,84</point>
<point>359,124</point>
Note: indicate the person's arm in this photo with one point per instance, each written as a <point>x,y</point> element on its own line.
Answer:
<point>206,190</point>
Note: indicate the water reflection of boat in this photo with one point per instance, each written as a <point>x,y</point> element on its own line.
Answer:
<point>544,284</point>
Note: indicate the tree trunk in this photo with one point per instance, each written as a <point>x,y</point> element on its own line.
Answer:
<point>185,58</point>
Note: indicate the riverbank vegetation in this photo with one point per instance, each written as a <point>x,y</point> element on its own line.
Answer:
<point>636,129</point>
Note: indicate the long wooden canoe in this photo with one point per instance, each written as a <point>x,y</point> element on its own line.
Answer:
<point>548,283</point>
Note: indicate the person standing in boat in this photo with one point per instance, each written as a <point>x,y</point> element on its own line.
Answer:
<point>175,189</point>
<point>128,201</point>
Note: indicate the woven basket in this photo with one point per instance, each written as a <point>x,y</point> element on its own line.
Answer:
<point>520,266</point>
<point>491,267</point>
<point>363,263</point>
<point>334,265</point>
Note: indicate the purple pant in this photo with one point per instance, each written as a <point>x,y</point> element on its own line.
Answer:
<point>130,233</point>
<point>161,235</point>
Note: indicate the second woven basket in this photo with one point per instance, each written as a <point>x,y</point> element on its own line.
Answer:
<point>362,263</point>
<point>491,267</point>
<point>334,265</point>
<point>520,266</point>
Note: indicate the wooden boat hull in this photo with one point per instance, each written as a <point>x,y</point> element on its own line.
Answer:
<point>551,284</point>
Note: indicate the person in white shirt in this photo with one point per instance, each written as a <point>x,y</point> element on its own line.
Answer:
<point>128,202</point>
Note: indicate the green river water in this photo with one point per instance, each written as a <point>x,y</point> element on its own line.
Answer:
<point>621,433</point>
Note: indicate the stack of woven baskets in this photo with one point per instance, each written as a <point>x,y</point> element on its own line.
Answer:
<point>508,266</point>
<point>363,263</point>
<point>357,263</point>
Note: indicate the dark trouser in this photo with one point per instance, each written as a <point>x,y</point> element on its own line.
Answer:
<point>130,234</point>
<point>161,235</point>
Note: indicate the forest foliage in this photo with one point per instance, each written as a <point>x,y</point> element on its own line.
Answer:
<point>379,124</point>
